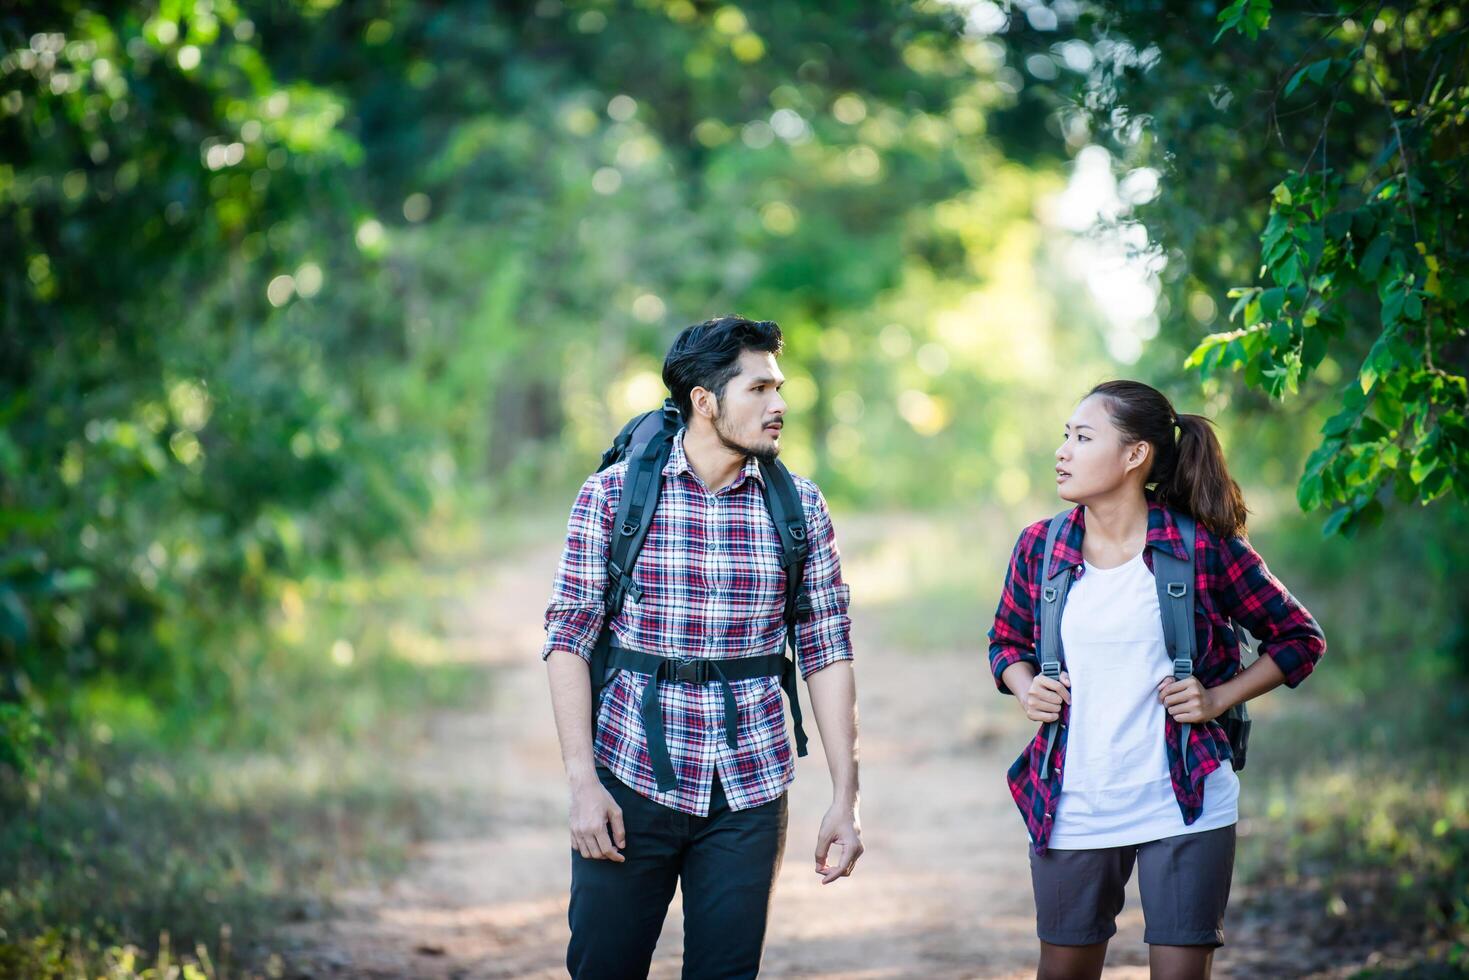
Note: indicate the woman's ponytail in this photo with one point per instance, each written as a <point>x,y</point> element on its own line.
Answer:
<point>1188,465</point>
<point>1200,484</point>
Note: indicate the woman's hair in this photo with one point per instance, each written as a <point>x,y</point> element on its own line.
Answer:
<point>1187,467</point>
<point>707,355</point>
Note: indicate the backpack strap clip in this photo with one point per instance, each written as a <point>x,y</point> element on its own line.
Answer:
<point>1177,589</point>
<point>620,586</point>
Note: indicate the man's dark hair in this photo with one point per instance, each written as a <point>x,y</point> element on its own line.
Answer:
<point>707,355</point>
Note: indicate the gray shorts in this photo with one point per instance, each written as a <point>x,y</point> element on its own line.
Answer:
<point>1184,882</point>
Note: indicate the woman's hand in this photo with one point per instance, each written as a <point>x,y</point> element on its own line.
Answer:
<point>1042,700</point>
<point>1189,702</point>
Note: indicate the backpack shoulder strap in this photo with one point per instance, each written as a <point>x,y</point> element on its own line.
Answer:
<point>1175,581</point>
<point>651,439</point>
<point>1053,602</point>
<point>640,489</point>
<point>784,503</point>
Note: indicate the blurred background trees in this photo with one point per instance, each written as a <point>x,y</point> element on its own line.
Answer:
<point>284,282</point>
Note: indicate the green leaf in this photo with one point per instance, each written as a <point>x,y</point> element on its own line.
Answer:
<point>1341,422</point>
<point>1242,296</point>
<point>1316,71</point>
<point>1413,306</point>
<point>1368,430</point>
<point>1270,303</point>
<point>1288,272</point>
<point>1313,348</point>
<point>1335,521</point>
<point>1371,262</point>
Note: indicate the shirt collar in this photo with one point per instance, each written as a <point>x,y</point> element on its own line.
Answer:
<point>1163,534</point>
<point>678,464</point>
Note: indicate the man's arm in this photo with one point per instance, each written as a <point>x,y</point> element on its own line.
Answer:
<point>834,702</point>
<point>573,621</point>
<point>824,653</point>
<point>592,807</point>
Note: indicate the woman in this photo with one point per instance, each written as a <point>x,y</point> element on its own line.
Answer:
<point>1130,765</point>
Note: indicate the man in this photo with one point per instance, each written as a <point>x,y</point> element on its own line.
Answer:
<point>704,800</point>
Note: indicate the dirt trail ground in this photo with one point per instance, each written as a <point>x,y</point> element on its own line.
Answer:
<point>943,890</point>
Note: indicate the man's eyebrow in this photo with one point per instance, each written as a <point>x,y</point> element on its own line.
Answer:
<point>765,381</point>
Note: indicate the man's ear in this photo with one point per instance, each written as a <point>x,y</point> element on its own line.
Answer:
<point>704,402</point>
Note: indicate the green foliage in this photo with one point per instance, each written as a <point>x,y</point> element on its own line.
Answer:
<point>292,275</point>
<point>1361,251</point>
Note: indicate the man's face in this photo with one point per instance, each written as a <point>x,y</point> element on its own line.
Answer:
<point>751,412</point>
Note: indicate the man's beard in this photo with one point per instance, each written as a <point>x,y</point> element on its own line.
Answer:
<point>765,453</point>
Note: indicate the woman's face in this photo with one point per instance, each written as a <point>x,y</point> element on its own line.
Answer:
<point>1093,460</point>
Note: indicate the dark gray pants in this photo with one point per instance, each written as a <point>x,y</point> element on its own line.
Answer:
<point>726,863</point>
<point>1183,881</point>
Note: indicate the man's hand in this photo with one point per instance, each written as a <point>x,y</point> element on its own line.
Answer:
<point>1042,700</point>
<point>1188,701</point>
<point>841,827</point>
<point>592,810</point>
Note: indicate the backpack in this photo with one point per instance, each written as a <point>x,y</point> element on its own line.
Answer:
<point>646,442</point>
<point>1175,581</point>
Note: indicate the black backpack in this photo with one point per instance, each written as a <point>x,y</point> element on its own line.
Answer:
<point>645,442</point>
<point>1175,581</point>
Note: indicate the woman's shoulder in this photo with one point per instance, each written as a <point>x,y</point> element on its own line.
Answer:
<point>1225,551</point>
<point>1033,537</point>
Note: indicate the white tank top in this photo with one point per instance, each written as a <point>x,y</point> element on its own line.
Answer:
<point>1115,787</point>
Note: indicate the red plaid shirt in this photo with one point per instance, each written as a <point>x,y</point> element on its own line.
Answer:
<point>713,586</point>
<point>1231,582</point>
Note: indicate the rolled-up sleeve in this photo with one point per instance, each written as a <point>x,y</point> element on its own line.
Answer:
<point>826,636</point>
<point>1012,637</point>
<point>575,612</point>
<point>1287,632</point>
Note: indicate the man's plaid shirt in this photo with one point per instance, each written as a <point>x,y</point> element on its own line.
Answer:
<point>713,586</point>
<point>1231,582</point>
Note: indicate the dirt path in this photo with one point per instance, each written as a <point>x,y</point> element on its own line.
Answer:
<point>943,891</point>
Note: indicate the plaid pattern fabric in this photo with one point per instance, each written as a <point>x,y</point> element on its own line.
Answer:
<point>713,586</point>
<point>1231,581</point>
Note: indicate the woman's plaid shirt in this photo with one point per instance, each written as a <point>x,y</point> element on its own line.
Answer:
<point>1231,582</point>
<point>713,586</point>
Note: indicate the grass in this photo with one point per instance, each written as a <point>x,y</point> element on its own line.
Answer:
<point>151,838</point>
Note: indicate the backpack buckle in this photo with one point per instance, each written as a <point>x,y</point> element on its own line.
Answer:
<point>691,670</point>
<point>1049,593</point>
<point>1052,669</point>
<point>629,529</point>
<point>1183,666</point>
<point>803,605</point>
<point>1177,589</point>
